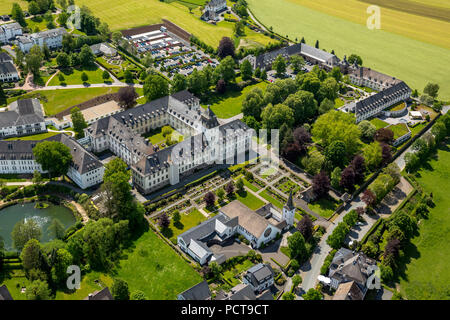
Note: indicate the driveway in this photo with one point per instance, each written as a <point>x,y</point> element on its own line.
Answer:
<point>273,251</point>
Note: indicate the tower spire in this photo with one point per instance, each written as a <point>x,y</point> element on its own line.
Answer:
<point>290,202</point>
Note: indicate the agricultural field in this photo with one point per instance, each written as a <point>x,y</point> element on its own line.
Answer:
<point>136,13</point>
<point>399,48</point>
<point>427,275</point>
<point>55,101</point>
<point>229,104</point>
<point>154,268</point>
<point>6,6</point>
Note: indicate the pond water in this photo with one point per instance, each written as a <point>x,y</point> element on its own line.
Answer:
<point>44,217</point>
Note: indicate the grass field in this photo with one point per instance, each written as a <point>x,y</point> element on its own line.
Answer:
<point>88,285</point>
<point>154,268</point>
<point>138,13</point>
<point>229,104</point>
<point>378,123</point>
<point>60,100</point>
<point>427,274</point>
<point>249,200</point>
<point>399,130</point>
<point>324,206</point>
<point>398,49</point>
<point>266,195</point>
<point>39,136</point>
<point>6,6</point>
<point>73,76</point>
<point>187,222</point>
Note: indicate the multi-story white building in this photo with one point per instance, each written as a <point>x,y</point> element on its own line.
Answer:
<point>376,103</point>
<point>258,227</point>
<point>8,72</point>
<point>366,77</point>
<point>205,141</point>
<point>10,31</point>
<point>16,157</point>
<point>52,38</point>
<point>24,117</point>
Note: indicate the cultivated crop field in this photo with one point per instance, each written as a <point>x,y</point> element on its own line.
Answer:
<point>410,47</point>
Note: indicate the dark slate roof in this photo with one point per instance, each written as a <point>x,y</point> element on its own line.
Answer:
<point>5,57</point>
<point>382,97</point>
<point>242,292</point>
<point>7,67</point>
<point>198,292</point>
<point>348,266</point>
<point>103,294</point>
<point>267,58</point>
<point>22,112</point>
<point>4,293</point>
<point>82,160</point>
<point>203,230</point>
<point>290,203</point>
<point>316,54</point>
<point>373,75</point>
<point>259,273</point>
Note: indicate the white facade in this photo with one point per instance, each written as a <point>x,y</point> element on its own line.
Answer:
<point>22,130</point>
<point>9,31</point>
<point>216,5</point>
<point>8,72</point>
<point>52,38</point>
<point>87,179</point>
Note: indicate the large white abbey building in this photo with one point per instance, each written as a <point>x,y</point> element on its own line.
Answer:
<point>205,141</point>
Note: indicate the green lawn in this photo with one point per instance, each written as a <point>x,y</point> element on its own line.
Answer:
<point>14,281</point>
<point>230,104</point>
<point>187,222</point>
<point>6,6</point>
<point>427,275</point>
<point>324,206</point>
<point>399,130</point>
<point>55,101</point>
<point>378,123</point>
<point>249,200</point>
<point>249,185</point>
<point>266,195</point>
<point>397,55</point>
<point>154,268</point>
<point>156,137</point>
<point>93,281</point>
<point>39,136</point>
<point>237,269</point>
<point>73,76</point>
<point>415,130</point>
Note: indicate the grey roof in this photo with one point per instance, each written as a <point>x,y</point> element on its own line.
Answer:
<point>290,203</point>
<point>4,293</point>
<point>373,75</point>
<point>248,219</point>
<point>49,33</point>
<point>203,230</point>
<point>22,112</point>
<point>198,292</point>
<point>350,266</point>
<point>13,25</point>
<point>104,48</point>
<point>241,292</point>
<point>316,54</point>
<point>382,97</point>
<point>82,160</point>
<point>103,294</point>
<point>4,57</point>
<point>7,67</point>
<point>259,273</point>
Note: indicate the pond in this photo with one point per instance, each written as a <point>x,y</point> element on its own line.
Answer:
<point>44,217</point>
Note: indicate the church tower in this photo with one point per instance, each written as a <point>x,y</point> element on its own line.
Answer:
<point>289,211</point>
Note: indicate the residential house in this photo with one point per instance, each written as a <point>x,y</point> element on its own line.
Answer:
<point>348,291</point>
<point>350,266</point>
<point>198,292</point>
<point>244,292</point>
<point>259,277</point>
